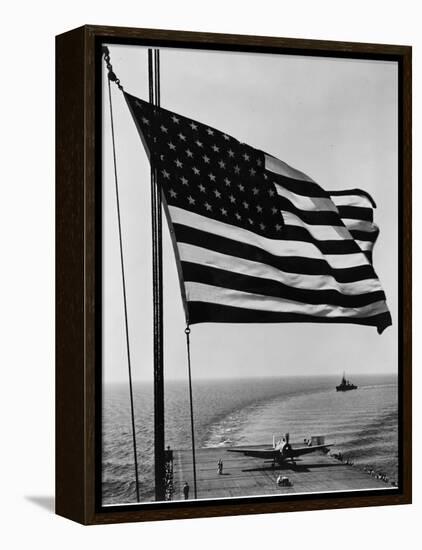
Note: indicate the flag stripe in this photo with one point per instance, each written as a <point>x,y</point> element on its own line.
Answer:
<point>313,204</point>
<point>277,166</point>
<point>370,236</point>
<point>217,295</point>
<point>293,264</point>
<point>352,197</point>
<point>356,213</point>
<point>273,246</point>
<point>267,287</point>
<point>201,312</point>
<point>360,225</point>
<point>305,188</point>
<point>204,256</point>
<point>366,246</point>
<point>351,200</point>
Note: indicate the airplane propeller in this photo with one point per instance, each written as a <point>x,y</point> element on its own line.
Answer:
<point>286,446</point>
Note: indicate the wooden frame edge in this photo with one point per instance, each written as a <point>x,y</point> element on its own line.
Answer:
<point>70,296</point>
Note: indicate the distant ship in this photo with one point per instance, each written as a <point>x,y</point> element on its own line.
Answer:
<point>345,385</point>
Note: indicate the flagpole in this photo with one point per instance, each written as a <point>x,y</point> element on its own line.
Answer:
<point>157,280</point>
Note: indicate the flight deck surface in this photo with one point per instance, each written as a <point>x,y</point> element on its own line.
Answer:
<point>246,476</point>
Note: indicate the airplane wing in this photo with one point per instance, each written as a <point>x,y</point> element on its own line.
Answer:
<point>298,451</point>
<point>257,453</point>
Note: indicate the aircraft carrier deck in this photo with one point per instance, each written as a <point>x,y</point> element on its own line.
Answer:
<point>246,476</point>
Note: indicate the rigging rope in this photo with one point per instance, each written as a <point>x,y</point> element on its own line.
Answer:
<point>112,77</point>
<point>187,332</point>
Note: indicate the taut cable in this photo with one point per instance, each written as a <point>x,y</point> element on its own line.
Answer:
<point>112,78</point>
<point>192,425</point>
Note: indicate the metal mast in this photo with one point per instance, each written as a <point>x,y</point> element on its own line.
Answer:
<point>157,280</point>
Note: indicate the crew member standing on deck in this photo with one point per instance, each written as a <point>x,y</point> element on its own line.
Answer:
<point>220,467</point>
<point>186,490</point>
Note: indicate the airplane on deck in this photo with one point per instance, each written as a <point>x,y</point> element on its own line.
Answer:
<point>281,451</point>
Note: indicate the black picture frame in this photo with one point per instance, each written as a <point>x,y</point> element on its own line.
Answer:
<point>78,273</point>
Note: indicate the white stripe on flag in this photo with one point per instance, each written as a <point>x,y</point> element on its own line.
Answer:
<point>352,200</point>
<point>200,292</point>
<point>367,246</point>
<point>275,247</point>
<point>312,204</point>
<point>360,225</point>
<point>277,166</point>
<point>210,258</point>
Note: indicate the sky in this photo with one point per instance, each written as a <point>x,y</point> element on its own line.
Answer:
<point>334,119</point>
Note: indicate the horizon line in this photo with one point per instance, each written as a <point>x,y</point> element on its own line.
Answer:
<point>253,377</point>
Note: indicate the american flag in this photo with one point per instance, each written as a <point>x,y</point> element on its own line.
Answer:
<point>256,240</point>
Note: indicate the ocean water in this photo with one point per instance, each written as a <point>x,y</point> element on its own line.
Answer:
<point>363,424</point>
